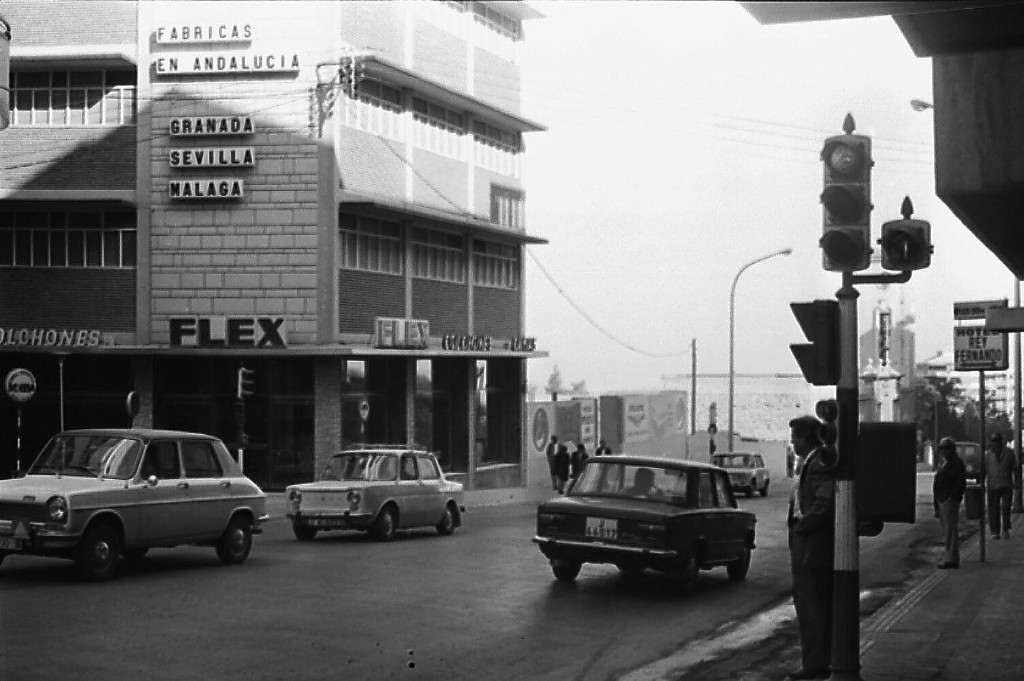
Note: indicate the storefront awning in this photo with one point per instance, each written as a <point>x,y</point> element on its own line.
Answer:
<point>476,224</point>
<point>311,350</point>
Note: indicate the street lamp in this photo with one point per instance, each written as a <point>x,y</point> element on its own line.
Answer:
<point>732,329</point>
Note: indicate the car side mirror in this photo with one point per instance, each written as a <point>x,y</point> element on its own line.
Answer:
<point>151,481</point>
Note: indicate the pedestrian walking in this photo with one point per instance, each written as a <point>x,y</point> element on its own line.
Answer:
<point>561,468</point>
<point>550,452</point>
<point>948,489</point>
<point>1000,468</point>
<point>579,457</point>
<point>602,449</point>
<point>811,522</point>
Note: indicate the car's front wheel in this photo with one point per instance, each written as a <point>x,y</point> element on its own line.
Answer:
<point>447,523</point>
<point>384,526</point>
<point>566,570</point>
<point>764,490</point>
<point>98,552</point>
<point>236,542</point>
<point>750,490</point>
<point>303,533</point>
<point>738,569</point>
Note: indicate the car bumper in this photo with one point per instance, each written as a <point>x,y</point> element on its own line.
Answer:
<point>344,520</point>
<point>604,552</point>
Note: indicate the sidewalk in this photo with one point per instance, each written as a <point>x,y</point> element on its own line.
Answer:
<point>956,624</point>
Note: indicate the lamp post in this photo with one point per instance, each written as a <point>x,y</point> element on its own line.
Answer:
<point>732,329</point>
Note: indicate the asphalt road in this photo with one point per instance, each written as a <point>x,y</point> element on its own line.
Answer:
<point>481,604</point>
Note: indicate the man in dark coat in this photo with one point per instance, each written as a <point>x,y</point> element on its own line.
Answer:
<point>579,457</point>
<point>948,489</point>
<point>811,523</point>
<point>550,452</point>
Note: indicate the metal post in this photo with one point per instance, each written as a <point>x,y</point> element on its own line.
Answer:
<point>846,571</point>
<point>982,529</point>
<point>17,462</point>
<point>693,387</point>
<point>1018,504</point>
<point>60,368</point>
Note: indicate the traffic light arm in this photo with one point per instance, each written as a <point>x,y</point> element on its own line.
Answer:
<point>901,278</point>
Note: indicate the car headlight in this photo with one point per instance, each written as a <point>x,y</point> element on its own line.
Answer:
<point>354,498</point>
<point>57,509</point>
<point>294,496</point>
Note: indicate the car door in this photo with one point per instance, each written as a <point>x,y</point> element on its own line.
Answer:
<point>209,501</point>
<point>433,499</point>
<point>409,492</point>
<point>710,515</point>
<point>162,502</point>
<point>731,530</point>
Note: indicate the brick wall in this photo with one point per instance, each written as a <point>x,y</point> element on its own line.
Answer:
<point>68,158</point>
<point>496,80</point>
<point>496,312</point>
<point>365,295</point>
<point>102,22</point>
<point>444,304</point>
<point>440,55</point>
<point>447,178</point>
<point>367,165</point>
<point>69,298</point>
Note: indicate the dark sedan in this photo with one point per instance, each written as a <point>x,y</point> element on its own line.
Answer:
<point>674,516</point>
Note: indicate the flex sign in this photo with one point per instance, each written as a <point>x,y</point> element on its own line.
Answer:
<point>234,332</point>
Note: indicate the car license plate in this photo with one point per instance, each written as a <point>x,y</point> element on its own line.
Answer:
<point>9,544</point>
<point>602,528</point>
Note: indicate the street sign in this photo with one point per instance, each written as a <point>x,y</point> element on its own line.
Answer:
<point>975,310</point>
<point>975,349</point>
<point>20,385</point>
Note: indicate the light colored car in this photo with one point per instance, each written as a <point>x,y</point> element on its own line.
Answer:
<point>380,489</point>
<point>96,496</point>
<point>747,472</point>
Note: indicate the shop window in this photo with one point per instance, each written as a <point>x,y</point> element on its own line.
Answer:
<point>499,410</point>
<point>104,239</point>
<point>370,245</point>
<point>495,265</point>
<point>72,98</point>
<point>439,256</point>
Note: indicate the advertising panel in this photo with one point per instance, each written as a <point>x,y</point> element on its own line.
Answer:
<point>635,421</point>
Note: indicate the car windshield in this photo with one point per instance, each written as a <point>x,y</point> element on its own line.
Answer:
<point>89,455</point>
<point>361,466</point>
<point>732,461</point>
<point>632,481</point>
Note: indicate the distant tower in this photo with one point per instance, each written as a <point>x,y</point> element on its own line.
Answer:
<point>880,378</point>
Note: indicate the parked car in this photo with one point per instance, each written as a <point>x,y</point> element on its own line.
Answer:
<point>747,472</point>
<point>380,489</point>
<point>96,496</point>
<point>674,516</point>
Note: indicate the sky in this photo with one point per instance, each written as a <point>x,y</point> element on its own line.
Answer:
<point>683,142</point>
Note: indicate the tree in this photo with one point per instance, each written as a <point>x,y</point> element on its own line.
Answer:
<point>554,385</point>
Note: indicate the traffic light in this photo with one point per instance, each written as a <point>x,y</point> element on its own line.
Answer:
<point>906,244</point>
<point>846,201</point>
<point>827,412</point>
<point>246,378</point>
<point>819,359</point>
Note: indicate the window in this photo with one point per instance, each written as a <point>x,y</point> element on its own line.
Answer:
<point>162,461</point>
<point>428,469</point>
<point>200,461</point>
<point>501,24</point>
<point>72,239</point>
<point>509,140</point>
<point>705,492</point>
<point>495,265</point>
<point>724,491</point>
<point>370,245</point>
<point>376,109</point>
<point>408,468</point>
<point>439,256</point>
<point>72,98</point>
<point>507,207</point>
<point>438,129</point>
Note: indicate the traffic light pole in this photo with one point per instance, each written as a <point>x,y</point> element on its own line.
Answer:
<point>846,571</point>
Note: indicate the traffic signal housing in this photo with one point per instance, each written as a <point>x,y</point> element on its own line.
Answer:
<point>906,244</point>
<point>846,201</point>
<point>827,412</point>
<point>246,382</point>
<point>819,359</point>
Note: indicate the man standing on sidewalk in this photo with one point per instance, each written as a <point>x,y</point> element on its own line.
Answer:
<point>1000,467</point>
<point>948,489</point>
<point>811,523</point>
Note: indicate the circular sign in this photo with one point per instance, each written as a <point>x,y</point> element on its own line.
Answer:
<point>132,404</point>
<point>20,385</point>
<point>364,410</point>
<point>541,429</point>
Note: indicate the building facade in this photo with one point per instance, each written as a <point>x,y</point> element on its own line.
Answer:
<point>328,194</point>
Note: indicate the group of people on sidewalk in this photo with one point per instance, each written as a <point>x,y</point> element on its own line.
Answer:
<point>811,523</point>
<point>564,466</point>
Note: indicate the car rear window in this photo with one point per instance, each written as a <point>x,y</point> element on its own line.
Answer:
<point>633,481</point>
